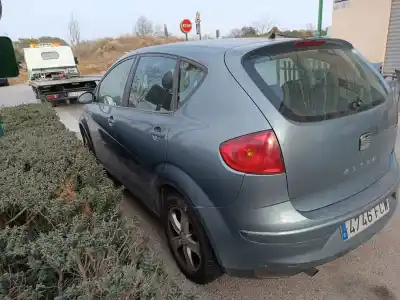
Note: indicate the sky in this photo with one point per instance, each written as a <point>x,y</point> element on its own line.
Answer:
<point>110,18</point>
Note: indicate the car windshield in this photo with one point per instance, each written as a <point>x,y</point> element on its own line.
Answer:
<point>317,83</point>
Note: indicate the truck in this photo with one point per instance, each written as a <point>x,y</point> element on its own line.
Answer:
<point>54,75</point>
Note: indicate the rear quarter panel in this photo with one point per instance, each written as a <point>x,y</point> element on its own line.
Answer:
<point>218,111</point>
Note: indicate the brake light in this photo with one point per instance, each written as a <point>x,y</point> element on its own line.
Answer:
<point>256,153</point>
<point>309,43</point>
<point>52,97</point>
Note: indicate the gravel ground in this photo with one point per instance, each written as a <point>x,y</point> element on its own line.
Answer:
<point>370,272</point>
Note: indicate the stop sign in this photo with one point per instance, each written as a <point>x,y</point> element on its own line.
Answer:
<point>186,26</point>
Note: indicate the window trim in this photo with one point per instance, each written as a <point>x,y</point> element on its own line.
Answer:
<point>174,84</point>
<point>96,96</point>
<point>189,96</point>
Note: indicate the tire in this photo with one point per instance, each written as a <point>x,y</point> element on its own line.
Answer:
<point>203,267</point>
<point>87,142</point>
<point>35,91</point>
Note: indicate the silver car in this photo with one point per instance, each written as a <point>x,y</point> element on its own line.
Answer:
<point>261,157</point>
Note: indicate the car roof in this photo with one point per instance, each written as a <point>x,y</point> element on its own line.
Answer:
<point>206,51</point>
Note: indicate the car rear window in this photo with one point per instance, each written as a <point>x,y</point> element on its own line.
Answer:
<point>316,83</point>
<point>50,55</point>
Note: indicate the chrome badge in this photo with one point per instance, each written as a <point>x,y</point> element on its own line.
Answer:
<point>364,141</point>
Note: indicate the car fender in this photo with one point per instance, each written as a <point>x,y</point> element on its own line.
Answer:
<point>184,184</point>
<point>188,188</point>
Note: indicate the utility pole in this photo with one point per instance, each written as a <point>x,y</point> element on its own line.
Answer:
<point>320,10</point>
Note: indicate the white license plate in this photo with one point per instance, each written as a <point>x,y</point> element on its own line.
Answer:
<point>75,94</point>
<point>354,226</point>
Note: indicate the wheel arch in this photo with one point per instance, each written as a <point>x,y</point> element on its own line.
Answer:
<point>176,180</point>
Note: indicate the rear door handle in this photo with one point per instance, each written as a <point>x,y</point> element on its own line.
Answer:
<point>157,134</point>
<point>111,121</point>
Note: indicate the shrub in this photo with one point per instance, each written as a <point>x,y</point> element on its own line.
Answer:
<point>61,234</point>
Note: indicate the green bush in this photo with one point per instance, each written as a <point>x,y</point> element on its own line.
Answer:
<point>61,234</point>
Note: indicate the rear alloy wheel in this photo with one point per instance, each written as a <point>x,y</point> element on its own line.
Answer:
<point>188,243</point>
<point>35,91</point>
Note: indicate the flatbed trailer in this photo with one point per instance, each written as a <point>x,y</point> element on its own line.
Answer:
<point>66,90</point>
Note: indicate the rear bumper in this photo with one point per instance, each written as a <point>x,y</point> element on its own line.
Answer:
<point>280,241</point>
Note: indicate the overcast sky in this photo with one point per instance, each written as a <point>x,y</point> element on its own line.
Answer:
<point>101,18</point>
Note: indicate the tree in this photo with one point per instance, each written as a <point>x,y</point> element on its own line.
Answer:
<point>158,30</point>
<point>235,33</point>
<point>245,31</point>
<point>144,26</point>
<point>263,27</point>
<point>74,31</point>
<point>248,31</point>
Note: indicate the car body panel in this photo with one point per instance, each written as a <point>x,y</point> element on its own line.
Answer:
<point>142,153</point>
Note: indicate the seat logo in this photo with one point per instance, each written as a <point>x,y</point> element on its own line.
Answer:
<point>364,141</point>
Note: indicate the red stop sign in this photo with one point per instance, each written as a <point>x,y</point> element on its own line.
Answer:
<point>186,26</point>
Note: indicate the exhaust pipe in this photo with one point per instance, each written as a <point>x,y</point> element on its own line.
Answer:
<point>311,272</point>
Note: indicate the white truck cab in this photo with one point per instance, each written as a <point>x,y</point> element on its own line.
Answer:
<point>53,73</point>
<point>48,60</point>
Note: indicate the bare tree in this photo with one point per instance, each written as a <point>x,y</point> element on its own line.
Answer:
<point>310,27</point>
<point>74,31</point>
<point>144,26</point>
<point>158,30</point>
<point>263,27</point>
<point>235,33</point>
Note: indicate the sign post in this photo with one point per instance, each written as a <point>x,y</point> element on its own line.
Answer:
<point>186,27</point>
<point>320,11</point>
<point>198,21</point>
<point>166,30</point>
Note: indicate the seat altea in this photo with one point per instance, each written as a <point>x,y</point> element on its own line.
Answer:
<point>272,157</point>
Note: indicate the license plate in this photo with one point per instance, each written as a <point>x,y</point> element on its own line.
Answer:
<point>356,225</point>
<point>75,94</point>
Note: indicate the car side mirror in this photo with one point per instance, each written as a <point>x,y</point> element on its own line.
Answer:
<point>86,98</point>
<point>76,60</point>
<point>8,62</point>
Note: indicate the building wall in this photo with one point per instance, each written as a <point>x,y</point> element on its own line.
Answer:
<point>392,57</point>
<point>365,24</point>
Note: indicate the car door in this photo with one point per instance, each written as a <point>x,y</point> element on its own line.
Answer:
<point>103,117</point>
<point>144,124</point>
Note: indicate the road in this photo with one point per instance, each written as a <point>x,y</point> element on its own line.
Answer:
<point>370,272</point>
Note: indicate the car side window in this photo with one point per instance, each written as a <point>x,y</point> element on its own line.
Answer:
<point>111,89</point>
<point>152,84</point>
<point>190,77</point>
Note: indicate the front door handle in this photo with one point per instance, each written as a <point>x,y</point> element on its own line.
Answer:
<point>111,121</point>
<point>157,134</point>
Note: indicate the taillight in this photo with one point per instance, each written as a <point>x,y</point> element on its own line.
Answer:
<point>309,43</point>
<point>256,153</point>
<point>52,97</point>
